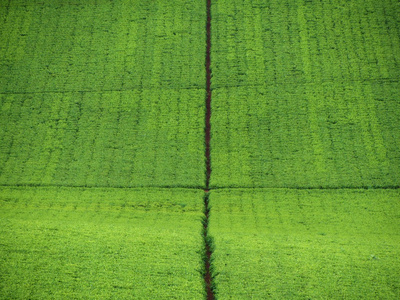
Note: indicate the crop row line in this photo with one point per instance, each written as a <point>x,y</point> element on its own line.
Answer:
<point>100,91</point>
<point>32,185</point>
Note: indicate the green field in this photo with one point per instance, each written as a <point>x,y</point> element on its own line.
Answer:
<point>106,139</point>
<point>83,93</point>
<point>97,243</point>
<point>103,141</point>
<point>306,94</point>
<point>306,99</point>
<point>306,244</point>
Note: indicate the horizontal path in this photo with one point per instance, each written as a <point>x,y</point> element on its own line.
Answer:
<point>201,188</point>
<point>95,91</point>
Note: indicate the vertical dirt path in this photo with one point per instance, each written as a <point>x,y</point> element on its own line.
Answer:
<point>208,278</point>
<point>208,97</point>
<point>208,250</point>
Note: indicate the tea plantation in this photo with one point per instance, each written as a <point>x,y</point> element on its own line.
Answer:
<point>116,184</point>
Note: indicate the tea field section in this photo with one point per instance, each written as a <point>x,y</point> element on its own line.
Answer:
<point>67,243</point>
<point>105,94</point>
<point>305,94</point>
<point>306,244</point>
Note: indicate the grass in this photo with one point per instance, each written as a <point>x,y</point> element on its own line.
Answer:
<point>83,93</point>
<point>316,135</point>
<point>100,243</point>
<point>101,45</point>
<point>305,99</point>
<point>109,139</point>
<point>306,244</point>
<point>102,123</point>
<point>305,94</point>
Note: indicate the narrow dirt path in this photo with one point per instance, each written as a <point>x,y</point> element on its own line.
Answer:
<point>208,250</point>
<point>208,97</point>
<point>208,247</point>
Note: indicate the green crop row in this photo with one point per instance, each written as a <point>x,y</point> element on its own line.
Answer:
<point>298,42</point>
<point>67,243</point>
<point>124,139</point>
<point>121,243</point>
<point>102,107</point>
<point>305,94</point>
<point>102,93</point>
<point>107,45</point>
<point>316,135</point>
<point>294,102</point>
<point>306,244</point>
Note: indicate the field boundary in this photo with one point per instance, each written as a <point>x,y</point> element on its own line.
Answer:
<point>391,187</point>
<point>207,129</point>
<point>155,187</point>
<point>136,88</point>
<point>209,283</point>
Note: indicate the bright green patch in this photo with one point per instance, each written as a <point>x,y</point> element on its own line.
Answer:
<point>100,243</point>
<point>306,244</point>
